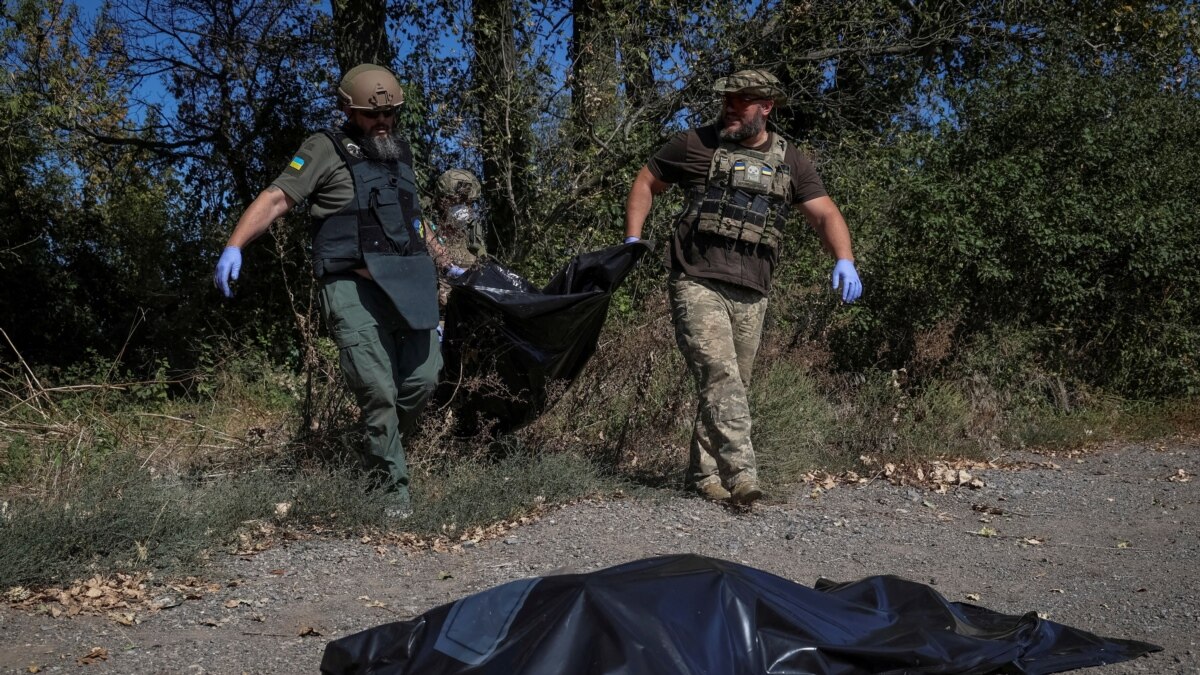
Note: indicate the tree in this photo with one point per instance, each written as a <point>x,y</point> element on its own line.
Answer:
<point>360,33</point>
<point>503,107</point>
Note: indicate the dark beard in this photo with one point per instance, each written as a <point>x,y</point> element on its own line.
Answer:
<point>748,130</point>
<point>380,149</point>
<point>383,148</point>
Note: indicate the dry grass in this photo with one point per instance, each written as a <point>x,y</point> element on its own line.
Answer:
<point>120,476</point>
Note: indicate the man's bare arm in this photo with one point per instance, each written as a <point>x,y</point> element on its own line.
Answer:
<point>641,198</point>
<point>268,206</point>
<point>826,219</point>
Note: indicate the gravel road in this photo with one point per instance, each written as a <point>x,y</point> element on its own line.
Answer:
<point>1119,555</point>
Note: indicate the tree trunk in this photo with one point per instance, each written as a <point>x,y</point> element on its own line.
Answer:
<point>594,73</point>
<point>360,33</point>
<point>504,108</point>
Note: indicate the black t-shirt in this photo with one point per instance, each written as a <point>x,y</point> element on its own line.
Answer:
<point>685,160</point>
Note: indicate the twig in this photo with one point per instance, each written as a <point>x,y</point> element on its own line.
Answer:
<point>191,422</point>
<point>31,381</point>
<point>141,314</point>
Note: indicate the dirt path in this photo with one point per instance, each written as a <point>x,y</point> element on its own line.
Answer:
<point>1119,556</point>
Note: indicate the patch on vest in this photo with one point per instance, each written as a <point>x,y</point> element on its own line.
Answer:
<point>354,150</point>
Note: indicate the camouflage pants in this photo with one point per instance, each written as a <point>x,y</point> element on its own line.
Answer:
<point>718,326</point>
<point>391,369</point>
<point>456,248</point>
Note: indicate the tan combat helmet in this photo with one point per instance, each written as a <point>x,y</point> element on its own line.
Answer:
<point>370,87</point>
<point>754,82</point>
<point>459,182</point>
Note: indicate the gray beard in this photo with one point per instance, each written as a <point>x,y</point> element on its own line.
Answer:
<point>382,148</point>
<point>752,128</point>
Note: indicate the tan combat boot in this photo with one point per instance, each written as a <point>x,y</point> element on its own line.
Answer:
<point>713,491</point>
<point>746,493</point>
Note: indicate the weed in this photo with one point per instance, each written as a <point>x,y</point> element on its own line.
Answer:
<point>476,492</point>
<point>108,476</point>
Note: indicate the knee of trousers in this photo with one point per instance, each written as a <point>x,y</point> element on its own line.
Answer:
<point>724,404</point>
<point>418,386</point>
<point>724,431</point>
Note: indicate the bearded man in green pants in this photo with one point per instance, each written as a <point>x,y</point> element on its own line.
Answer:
<point>370,250</point>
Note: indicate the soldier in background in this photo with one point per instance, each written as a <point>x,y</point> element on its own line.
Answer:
<point>460,228</point>
<point>741,181</point>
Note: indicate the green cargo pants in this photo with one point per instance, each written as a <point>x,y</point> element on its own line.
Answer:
<point>390,369</point>
<point>718,327</point>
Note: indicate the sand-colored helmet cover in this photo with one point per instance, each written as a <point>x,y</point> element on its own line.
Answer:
<point>459,182</point>
<point>370,87</point>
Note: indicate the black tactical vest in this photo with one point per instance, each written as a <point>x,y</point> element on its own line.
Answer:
<point>379,220</point>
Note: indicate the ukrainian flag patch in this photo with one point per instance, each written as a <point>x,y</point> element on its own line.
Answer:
<point>739,165</point>
<point>297,163</point>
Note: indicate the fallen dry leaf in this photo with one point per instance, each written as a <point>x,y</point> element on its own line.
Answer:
<point>1180,476</point>
<point>305,631</point>
<point>973,597</point>
<point>34,668</point>
<point>986,532</point>
<point>1122,544</point>
<point>123,618</point>
<point>96,655</point>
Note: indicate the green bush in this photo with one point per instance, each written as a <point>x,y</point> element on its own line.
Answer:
<point>1056,202</point>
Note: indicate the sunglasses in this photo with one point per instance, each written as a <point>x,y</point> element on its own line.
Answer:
<point>376,114</point>
<point>741,101</point>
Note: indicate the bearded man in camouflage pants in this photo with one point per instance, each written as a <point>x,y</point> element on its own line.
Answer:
<point>741,181</point>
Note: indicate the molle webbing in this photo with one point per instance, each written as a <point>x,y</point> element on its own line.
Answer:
<point>747,195</point>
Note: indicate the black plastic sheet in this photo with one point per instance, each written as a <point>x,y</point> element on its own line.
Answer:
<point>510,348</point>
<point>688,615</point>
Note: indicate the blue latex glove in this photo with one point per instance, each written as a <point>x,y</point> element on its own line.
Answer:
<point>845,277</point>
<point>630,240</point>
<point>227,270</point>
<point>455,271</point>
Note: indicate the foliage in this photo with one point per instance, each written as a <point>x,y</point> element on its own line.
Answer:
<point>1013,133</point>
<point>1047,209</point>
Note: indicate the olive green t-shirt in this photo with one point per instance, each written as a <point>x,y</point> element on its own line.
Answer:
<point>317,174</point>
<point>685,160</point>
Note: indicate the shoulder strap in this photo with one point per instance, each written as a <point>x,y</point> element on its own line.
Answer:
<point>340,142</point>
<point>721,162</point>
